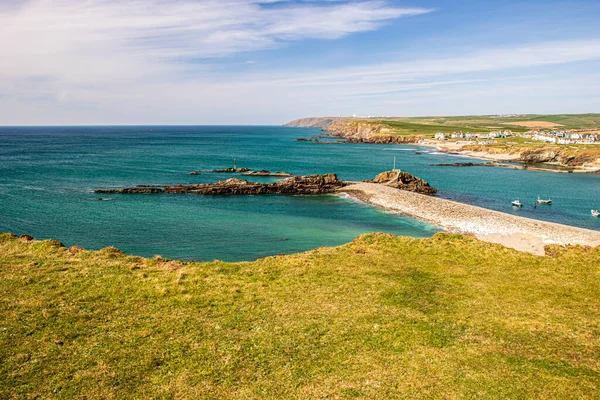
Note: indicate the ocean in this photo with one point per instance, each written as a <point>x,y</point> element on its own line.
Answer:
<point>47,175</point>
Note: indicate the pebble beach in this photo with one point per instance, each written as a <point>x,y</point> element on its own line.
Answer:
<point>512,231</point>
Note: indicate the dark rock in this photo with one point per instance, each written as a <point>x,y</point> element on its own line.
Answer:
<point>29,238</point>
<point>467,164</point>
<point>404,181</point>
<point>264,172</point>
<point>195,173</point>
<point>231,170</point>
<point>313,184</point>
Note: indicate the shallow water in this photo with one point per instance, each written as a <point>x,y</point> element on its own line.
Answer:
<point>47,175</point>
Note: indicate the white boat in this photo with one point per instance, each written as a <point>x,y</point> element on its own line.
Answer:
<point>596,213</point>
<point>540,201</point>
<point>517,203</point>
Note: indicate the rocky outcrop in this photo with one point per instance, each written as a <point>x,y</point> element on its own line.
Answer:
<point>264,172</point>
<point>355,131</point>
<point>404,181</point>
<point>382,139</point>
<point>536,156</point>
<point>231,170</point>
<point>313,184</point>
<point>580,158</point>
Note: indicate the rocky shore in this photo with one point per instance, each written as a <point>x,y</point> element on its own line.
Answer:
<point>312,184</point>
<point>520,233</point>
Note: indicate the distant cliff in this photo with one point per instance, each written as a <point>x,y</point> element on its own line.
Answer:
<point>356,130</point>
<point>320,122</point>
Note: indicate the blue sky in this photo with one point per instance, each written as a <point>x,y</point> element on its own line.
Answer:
<point>267,62</point>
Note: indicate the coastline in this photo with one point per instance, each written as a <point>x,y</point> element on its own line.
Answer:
<point>456,149</point>
<point>519,233</point>
<point>357,131</point>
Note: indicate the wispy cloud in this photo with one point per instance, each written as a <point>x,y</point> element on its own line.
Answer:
<point>151,61</point>
<point>48,36</point>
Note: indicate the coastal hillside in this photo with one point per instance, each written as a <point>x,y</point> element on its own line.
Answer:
<point>521,144</point>
<point>380,317</point>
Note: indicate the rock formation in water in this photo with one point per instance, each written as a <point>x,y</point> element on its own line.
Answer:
<point>231,170</point>
<point>404,181</point>
<point>313,184</point>
<point>264,172</point>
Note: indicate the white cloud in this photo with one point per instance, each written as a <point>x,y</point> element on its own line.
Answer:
<point>115,37</point>
<point>134,61</point>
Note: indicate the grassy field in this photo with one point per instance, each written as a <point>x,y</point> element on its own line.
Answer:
<point>568,121</point>
<point>381,317</point>
<point>429,126</point>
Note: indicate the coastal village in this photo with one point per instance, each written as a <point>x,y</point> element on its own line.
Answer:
<point>554,137</point>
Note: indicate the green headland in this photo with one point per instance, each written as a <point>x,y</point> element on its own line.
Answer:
<point>380,317</point>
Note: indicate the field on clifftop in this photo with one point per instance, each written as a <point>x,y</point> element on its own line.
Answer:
<point>520,123</point>
<point>381,317</point>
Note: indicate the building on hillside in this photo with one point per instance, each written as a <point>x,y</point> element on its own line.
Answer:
<point>440,136</point>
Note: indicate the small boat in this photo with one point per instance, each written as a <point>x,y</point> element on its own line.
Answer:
<point>596,213</point>
<point>517,203</point>
<point>540,201</point>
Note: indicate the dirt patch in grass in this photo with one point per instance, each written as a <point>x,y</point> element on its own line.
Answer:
<point>535,124</point>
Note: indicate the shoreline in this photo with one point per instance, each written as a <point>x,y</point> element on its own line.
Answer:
<point>455,149</point>
<point>519,233</point>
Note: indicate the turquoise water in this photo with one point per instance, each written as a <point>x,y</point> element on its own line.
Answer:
<point>47,175</point>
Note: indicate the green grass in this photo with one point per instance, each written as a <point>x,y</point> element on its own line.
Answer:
<point>570,121</point>
<point>429,126</point>
<point>403,128</point>
<point>381,317</point>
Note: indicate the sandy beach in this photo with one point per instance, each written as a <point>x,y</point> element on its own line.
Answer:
<point>456,148</point>
<point>512,231</point>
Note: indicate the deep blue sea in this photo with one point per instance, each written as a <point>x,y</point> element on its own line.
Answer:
<point>47,175</point>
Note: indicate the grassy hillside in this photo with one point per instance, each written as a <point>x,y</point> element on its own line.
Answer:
<point>381,317</point>
<point>428,126</point>
<point>567,121</point>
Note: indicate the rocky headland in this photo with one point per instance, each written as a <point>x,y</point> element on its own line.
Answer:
<point>357,131</point>
<point>353,131</point>
<point>303,185</point>
<point>312,184</point>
